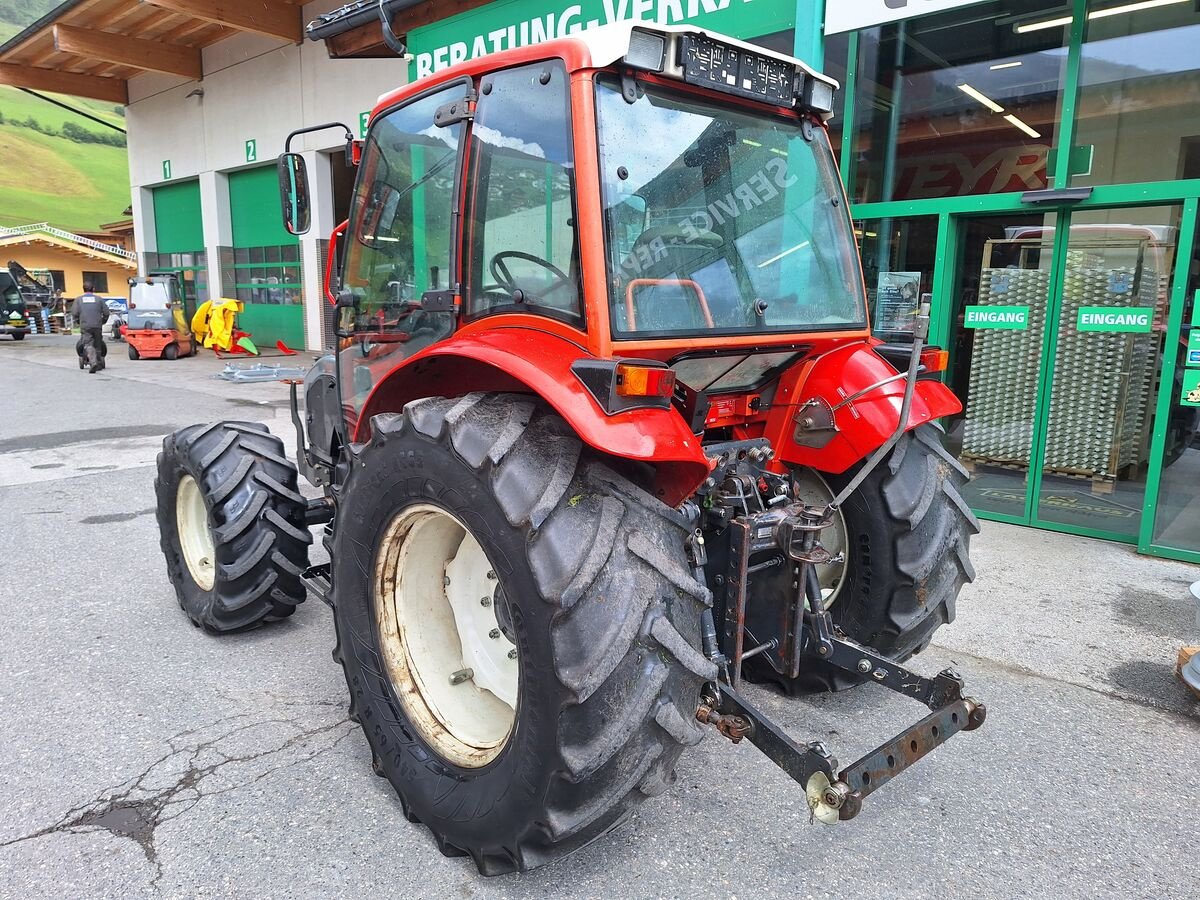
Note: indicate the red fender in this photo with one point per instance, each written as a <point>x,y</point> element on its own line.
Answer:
<point>525,360</point>
<point>862,425</point>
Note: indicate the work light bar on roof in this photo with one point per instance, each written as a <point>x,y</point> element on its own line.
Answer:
<point>732,67</point>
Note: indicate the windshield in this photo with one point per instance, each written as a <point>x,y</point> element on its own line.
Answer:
<point>151,318</point>
<point>721,222</point>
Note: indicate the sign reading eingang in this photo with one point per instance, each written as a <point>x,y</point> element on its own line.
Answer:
<point>1014,318</point>
<point>519,23</point>
<point>1114,318</point>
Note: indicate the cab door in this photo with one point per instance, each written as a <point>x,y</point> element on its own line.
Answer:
<point>400,241</point>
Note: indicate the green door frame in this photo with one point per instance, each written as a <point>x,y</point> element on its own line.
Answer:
<point>1166,387</point>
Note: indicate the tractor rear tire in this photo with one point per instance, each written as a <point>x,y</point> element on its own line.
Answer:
<point>133,352</point>
<point>908,531</point>
<point>594,595</point>
<point>231,525</point>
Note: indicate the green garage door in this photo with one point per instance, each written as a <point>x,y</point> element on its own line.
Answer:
<point>179,238</point>
<point>262,269</point>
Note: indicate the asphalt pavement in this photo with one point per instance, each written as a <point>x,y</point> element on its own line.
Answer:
<point>140,757</point>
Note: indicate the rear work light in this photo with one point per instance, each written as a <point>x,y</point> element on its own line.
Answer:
<point>647,50</point>
<point>639,381</point>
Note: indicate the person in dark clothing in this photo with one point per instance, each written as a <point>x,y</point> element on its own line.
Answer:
<point>91,313</point>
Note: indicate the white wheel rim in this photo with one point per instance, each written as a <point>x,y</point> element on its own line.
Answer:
<point>435,606</point>
<point>195,537</point>
<point>812,489</point>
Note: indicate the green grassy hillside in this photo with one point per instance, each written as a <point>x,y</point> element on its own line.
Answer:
<point>46,177</point>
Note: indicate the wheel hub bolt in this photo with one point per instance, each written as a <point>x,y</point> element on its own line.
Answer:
<point>494,633</point>
<point>512,654</point>
<point>485,601</point>
<point>462,675</point>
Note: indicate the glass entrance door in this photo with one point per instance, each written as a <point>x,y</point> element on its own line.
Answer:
<point>997,341</point>
<point>1058,344</point>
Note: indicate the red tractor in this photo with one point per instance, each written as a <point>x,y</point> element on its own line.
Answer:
<point>604,434</point>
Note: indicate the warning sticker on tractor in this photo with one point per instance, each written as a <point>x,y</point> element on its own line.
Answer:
<point>1015,318</point>
<point>1114,318</point>
<point>1190,396</point>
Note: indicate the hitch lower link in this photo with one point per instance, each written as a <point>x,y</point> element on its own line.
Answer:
<point>809,635</point>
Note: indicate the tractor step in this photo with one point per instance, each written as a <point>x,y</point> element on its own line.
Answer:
<point>319,583</point>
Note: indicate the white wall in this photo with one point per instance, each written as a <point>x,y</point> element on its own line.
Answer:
<point>253,89</point>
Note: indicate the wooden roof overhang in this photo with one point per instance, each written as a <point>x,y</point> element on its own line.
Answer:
<point>91,48</point>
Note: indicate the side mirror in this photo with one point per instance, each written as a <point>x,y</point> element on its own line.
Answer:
<point>293,193</point>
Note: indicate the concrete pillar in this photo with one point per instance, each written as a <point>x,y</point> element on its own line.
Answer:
<point>320,184</point>
<point>218,225</point>
<point>145,235</point>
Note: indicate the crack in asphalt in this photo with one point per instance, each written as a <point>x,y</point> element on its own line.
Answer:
<point>133,809</point>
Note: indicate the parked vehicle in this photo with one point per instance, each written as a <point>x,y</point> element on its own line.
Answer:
<point>159,324</point>
<point>14,320</point>
<point>626,442</point>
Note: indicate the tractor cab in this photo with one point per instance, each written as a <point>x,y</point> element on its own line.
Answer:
<point>657,193</point>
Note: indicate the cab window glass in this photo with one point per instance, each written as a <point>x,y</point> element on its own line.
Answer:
<point>523,250</point>
<point>398,247</point>
<point>400,220</point>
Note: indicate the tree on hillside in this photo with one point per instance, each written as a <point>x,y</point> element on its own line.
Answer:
<point>25,12</point>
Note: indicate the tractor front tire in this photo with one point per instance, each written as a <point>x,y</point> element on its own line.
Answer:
<point>907,536</point>
<point>594,602</point>
<point>231,525</point>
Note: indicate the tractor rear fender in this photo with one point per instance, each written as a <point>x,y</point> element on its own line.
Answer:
<point>861,425</point>
<point>529,361</point>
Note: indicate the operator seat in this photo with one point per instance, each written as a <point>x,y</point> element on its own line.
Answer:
<point>669,254</point>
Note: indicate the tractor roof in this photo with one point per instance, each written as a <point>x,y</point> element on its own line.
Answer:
<point>597,48</point>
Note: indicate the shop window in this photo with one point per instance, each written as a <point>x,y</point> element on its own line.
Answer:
<point>964,102</point>
<point>897,256</point>
<point>1138,113</point>
<point>779,41</point>
<point>99,281</point>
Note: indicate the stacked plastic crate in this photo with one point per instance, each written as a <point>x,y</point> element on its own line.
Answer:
<point>1005,364</point>
<point>1102,380</point>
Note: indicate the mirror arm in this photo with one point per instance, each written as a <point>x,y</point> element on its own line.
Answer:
<point>287,145</point>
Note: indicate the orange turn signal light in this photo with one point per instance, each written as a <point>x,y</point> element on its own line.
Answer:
<point>935,359</point>
<point>642,381</point>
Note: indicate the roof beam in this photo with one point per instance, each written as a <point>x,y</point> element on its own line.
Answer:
<point>265,17</point>
<point>112,90</point>
<point>136,53</point>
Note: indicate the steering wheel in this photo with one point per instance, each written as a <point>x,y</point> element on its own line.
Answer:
<point>504,277</point>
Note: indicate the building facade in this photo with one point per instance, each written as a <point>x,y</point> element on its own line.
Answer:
<point>1033,165</point>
